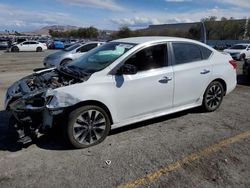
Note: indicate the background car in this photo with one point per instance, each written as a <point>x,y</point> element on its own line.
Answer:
<point>56,44</point>
<point>239,51</point>
<point>29,46</point>
<point>4,44</point>
<point>69,54</point>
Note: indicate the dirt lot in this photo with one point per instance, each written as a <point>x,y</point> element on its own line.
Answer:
<point>187,149</point>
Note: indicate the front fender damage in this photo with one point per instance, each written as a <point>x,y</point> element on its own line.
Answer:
<point>60,99</point>
<point>37,100</point>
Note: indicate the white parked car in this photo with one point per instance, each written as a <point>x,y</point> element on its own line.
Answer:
<point>69,54</point>
<point>29,46</point>
<point>122,82</point>
<point>239,51</point>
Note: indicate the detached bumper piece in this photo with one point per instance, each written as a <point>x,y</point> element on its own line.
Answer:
<point>30,120</point>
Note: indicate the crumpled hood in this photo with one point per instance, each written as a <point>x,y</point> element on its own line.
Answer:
<point>35,86</point>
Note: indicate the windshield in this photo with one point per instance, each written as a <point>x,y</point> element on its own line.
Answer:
<point>239,47</point>
<point>101,57</point>
<point>72,47</point>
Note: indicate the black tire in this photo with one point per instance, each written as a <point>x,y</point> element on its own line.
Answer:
<point>65,62</point>
<point>242,57</point>
<point>15,49</point>
<point>87,126</point>
<point>213,96</point>
<point>39,49</point>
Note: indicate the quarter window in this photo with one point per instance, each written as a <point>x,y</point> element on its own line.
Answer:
<point>205,52</point>
<point>149,58</point>
<point>186,53</point>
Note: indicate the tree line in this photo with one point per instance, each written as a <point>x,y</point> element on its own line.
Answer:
<point>223,29</point>
<point>90,32</point>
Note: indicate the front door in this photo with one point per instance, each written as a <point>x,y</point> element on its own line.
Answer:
<point>148,91</point>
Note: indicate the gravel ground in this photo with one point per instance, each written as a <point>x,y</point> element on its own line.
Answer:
<point>134,151</point>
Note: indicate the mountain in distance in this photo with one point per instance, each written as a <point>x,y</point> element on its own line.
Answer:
<point>45,30</point>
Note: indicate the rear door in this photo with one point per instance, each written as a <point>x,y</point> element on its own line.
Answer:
<point>33,45</point>
<point>192,69</point>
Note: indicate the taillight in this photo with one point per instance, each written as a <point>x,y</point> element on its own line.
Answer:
<point>233,63</point>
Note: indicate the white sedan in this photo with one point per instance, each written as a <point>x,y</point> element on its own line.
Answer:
<point>29,46</point>
<point>239,51</point>
<point>122,82</point>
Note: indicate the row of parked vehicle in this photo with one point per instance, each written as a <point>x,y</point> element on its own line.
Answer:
<point>238,52</point>
<point>36,44</point>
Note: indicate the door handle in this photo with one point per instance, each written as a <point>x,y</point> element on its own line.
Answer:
<point>165,80</point>
<point>205,71</point>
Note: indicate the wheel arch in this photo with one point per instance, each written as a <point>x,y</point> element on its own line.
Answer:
<point>67,58</point>
<point>92,102</point>
<point>223,83</point>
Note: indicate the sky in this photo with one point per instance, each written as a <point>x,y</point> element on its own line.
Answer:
<point>29,15</point>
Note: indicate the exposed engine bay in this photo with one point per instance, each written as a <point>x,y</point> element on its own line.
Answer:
<point>27,99</point>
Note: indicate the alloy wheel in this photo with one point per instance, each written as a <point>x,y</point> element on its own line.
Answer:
<point>214,96</point>
<point>89,127</point>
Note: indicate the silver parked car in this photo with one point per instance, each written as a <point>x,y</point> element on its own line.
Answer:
<point>69,54</point>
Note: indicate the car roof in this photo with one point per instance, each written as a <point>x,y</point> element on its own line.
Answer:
<point>30,41</point>
<point>244,44</point>
<point>141,40</point>
<point>90,42</point>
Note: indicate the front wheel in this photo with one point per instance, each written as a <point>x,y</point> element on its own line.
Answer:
<point>65,62</point>
<point>87,126</point>
<point>15,49</point>
<point>213,96</point>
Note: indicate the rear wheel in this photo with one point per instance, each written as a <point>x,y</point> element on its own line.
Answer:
<point>39,49</point>
<point>87,126</point>
<point>213,96</point>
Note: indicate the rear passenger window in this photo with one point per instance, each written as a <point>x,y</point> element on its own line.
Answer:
<point>186,53</point>
<point>205,52</point>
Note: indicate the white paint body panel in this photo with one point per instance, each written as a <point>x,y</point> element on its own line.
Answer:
<point>134,98</point>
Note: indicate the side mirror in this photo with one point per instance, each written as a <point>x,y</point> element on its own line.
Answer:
<point>127,69</point>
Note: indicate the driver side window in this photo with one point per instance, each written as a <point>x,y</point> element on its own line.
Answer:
<point>149,58</point>
<point>87,47</point>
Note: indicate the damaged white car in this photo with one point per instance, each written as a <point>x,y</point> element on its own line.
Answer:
<point>122,82</point>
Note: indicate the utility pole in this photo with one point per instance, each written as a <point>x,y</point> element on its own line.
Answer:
<point>245,37</point>
<point>203,33</point>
